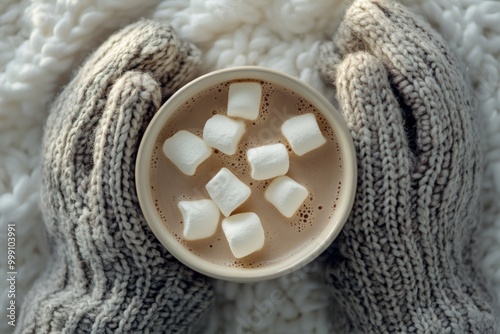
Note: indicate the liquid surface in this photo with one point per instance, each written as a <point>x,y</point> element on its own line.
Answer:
<point>320,171</point>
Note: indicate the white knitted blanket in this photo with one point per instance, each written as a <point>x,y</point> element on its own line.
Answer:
<point>42,42</point>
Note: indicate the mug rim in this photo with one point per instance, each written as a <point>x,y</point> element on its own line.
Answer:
<point>299,258</point>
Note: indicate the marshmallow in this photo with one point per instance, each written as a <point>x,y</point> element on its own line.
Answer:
<point>186,151</point>
<point>286,195</point>
<point>227,191</point>
<point>303,133</point>
<point>223,133</point>
<point>268,161</point>
<point>244,100</point>
<point>244,233</point>
<point>200,218</point>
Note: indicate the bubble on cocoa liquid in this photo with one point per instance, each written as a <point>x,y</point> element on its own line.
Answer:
<point>218,91</point>
<point>261,184</point>
<point>268,91</point>
<point>243,264</point>
<point>183,242</point>
<point>156,201</point>
<point>301,107</point>
<point>236,162</point>
<point>326,128</point>
<point>230,263</point>
<point>305,216</point>
<point>155,160</point>
<point>333,206</point>
<point>155,155</point>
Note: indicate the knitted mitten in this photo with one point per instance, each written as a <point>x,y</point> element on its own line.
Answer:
<point>108,273</point>
<point>405,260</point>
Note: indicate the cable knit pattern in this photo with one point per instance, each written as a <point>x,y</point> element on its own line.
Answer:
<point>406,261</point>
<point>107,271</point>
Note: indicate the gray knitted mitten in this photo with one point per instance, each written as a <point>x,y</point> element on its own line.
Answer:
<point>108,273</point>
<point>405,261</point>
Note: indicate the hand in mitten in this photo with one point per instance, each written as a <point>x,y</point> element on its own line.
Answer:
<point>107,271</point>
<point>405,260</point>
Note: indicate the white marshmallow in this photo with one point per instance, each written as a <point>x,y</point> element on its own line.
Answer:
<point>303,133</point>
<point>186,151</point>
<point>244,233</point>
<point>286,195</point>
<point>244,100</point>
<point>223,133</point>
<point>200,218</point>
<point>227,191</point>
<point>268,161</point>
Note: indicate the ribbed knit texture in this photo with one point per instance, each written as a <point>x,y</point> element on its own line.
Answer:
<point>107,272</point>
<point>405,261</point>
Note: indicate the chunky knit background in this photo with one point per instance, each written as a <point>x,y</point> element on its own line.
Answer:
<point>41,42</point>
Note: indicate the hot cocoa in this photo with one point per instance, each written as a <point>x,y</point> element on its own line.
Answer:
<point>319,171</point>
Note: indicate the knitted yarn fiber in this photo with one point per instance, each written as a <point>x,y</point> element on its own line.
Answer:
<point>107,271</point>
<point>405,261</point>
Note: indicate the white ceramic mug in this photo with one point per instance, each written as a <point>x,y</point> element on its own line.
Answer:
<point>295,260</point>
